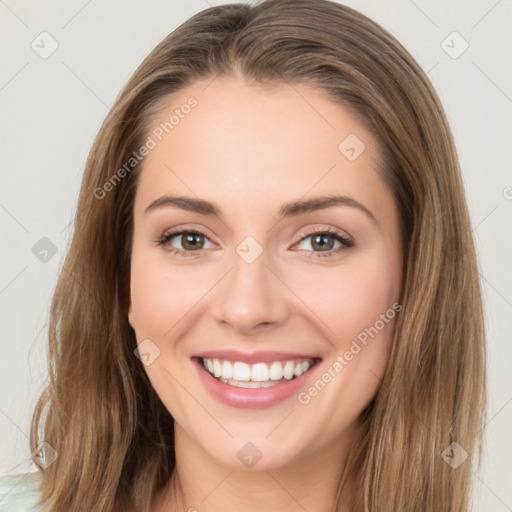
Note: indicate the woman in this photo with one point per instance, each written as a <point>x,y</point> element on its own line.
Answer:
<point>271,297</point>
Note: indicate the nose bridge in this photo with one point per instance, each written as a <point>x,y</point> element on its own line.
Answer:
<point>250,293</point>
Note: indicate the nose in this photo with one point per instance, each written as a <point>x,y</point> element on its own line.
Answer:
<point>251,297</point>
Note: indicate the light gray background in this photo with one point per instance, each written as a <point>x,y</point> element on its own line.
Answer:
<point>52,108</point>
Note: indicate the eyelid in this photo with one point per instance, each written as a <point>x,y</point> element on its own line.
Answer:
<point>329,230</point>
<point>165,238</point>
<point>190,229</point>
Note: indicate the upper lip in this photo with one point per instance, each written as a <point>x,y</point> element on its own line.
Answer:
<point>253,357</point>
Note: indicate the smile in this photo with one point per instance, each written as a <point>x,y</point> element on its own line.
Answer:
<point>258,375</point>
<point>254,380</point>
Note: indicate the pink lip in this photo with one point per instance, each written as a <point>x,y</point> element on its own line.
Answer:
<point>252,357</point>
<point>252,398</point>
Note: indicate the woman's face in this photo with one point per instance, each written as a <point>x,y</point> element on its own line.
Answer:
<point>232,269</point>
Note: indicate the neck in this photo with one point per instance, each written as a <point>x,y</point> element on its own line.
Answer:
<point>310,482</point>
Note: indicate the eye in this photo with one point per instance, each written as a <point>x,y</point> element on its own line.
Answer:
<point>191,240</point>
<point>324,239</point>
<point>321,244</point>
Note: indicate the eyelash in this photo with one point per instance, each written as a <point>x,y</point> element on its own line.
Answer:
<point>346,242</point>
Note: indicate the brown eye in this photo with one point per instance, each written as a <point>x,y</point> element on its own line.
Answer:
<point>191,242</point>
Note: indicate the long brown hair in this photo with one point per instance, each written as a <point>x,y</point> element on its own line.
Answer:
<point>113,436</point>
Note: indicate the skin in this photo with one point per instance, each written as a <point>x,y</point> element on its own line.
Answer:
<point>250,149</point>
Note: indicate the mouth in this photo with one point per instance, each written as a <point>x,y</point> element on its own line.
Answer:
<point>261,374</point>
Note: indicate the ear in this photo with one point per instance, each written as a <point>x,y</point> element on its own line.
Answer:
<point>131,318</point>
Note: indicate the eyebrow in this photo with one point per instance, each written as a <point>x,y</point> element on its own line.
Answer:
<point>291,209</point>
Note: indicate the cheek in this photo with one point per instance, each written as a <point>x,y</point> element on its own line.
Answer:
<point>161,297</point>
<point>350,299</point>
<point>359,304</point>
<point>163,294</point>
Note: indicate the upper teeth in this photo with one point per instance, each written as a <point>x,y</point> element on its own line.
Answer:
<point>259,372</point>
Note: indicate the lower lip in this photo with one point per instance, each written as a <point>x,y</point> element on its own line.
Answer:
<point>252,398</point>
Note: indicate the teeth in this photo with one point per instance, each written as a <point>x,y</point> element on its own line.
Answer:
<point>276,371</point>
<point>255,375</point>
<point>288,370</point>
<point>241,371</point>
<point>227,370</point>
<point>217,369</point>
<point>250,384</point>
<point>259,372</point>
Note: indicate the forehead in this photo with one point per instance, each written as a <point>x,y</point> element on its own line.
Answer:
<point>252,146</point>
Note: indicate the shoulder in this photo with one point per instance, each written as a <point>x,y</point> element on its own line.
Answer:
<point>20,493</point>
